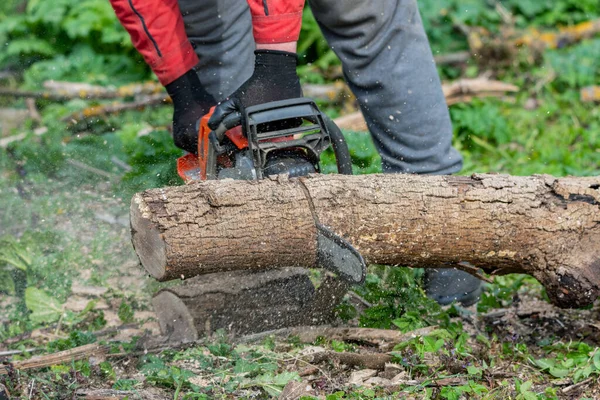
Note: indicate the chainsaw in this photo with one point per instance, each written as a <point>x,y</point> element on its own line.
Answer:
<point>280,137</point>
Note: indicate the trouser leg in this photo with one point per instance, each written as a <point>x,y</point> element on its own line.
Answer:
<point>389,66</point>
<point>221,33</point>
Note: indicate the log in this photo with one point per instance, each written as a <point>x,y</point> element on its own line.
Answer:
<point>540,225</point>
<point>244,302</point>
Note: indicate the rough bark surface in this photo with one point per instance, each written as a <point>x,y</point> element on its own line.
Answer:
<point>244,302</point>
<point>544,226</point>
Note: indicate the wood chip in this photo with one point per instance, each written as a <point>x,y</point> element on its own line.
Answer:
<point>294,390</point>
<point>358,377</point>
<point>91,291</point>
<point>378,381</point>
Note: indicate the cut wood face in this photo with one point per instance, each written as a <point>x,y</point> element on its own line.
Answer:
<point>540,225</point>
<point>146,239</point>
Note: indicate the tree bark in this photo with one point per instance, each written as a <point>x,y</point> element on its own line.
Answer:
<point>540,225</point>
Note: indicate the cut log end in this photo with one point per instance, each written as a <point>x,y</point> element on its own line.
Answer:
<point>146,239</point>
<point>574,287</point>
<point>175,319</point>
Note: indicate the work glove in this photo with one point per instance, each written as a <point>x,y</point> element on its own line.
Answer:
<point>190,103</point>
<point>274,78</point>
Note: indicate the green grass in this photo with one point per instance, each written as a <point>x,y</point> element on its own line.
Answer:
<point>52,233</point>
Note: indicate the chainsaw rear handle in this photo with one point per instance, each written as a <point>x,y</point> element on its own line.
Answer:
<point>338,142</point>
<point>340,147</point>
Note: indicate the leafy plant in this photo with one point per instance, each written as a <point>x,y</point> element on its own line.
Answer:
<point>578,361</point>
<point>44,309</point>
<point>270,383</point>
<point>15,260</point>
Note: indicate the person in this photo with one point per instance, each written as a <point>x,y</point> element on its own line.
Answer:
<point>202,51</point>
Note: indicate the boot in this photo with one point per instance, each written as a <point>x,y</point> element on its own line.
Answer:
<point>450,284</point>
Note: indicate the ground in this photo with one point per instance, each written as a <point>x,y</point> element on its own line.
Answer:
<point>517,344</point>
<point>69,277</point>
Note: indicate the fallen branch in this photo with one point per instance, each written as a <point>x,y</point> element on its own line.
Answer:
<point>477,86</point>
<point>91,169</point>
<point>4,142</point>
<point>565,36</point>
<point>65,91</point>
<point>576,386</point>
<point>114,108</point>
<point>442,382</point>
<point>309,334</point>
<point>375,361</point>
<point>77,353</point>
<point>13,352</point>
<point>461,91</point>
<point>112,394</point>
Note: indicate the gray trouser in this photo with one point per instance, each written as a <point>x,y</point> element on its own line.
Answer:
<point>386,60</point>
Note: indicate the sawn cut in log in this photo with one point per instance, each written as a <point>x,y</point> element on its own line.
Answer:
<point>540,225</point>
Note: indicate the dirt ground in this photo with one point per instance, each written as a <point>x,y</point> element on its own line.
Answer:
<point>98,225</point>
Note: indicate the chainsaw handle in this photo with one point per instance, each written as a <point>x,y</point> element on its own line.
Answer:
<point>340,147</point>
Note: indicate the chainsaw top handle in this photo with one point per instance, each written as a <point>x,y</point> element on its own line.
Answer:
<point>261,141</point>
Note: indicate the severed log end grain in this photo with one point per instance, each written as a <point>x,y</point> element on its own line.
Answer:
<point>240,301</point>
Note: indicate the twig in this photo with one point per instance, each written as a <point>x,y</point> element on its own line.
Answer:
<point>114,108</point>
<point>112,394</point>
<point>4,142</point>
<point>360,299</point>
<point>363,360</point>
<point>449,381</point>
<point>571,388</point>
<point>13,352</point>
<point>120,163</point>
<point>473,270</point>
<point>88,168</point>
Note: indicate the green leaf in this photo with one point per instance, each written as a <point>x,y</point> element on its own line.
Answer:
<point>472,370</point>
<point>559,372</point>
<point>450,393</point>
<point>525,386</point>
<point>272,384</point>
<point>596,359</point>
<point>244,367</point>
<point>545,363</point>
<point>125,312</point>
<point>7,284</point>
<point>44,309</point>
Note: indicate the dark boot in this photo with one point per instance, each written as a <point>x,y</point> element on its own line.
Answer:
<point>450,284</point>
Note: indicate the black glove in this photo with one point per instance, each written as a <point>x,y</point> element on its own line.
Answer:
<point>274,78</point>
<point>190,103</point>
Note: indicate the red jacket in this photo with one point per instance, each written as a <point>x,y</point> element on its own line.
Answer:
<point>157,31</point>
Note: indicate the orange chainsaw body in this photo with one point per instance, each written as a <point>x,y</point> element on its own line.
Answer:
<point>191,167</point>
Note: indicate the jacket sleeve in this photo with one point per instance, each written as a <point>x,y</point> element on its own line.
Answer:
<point>157,32</point>
<point>276,21</point>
